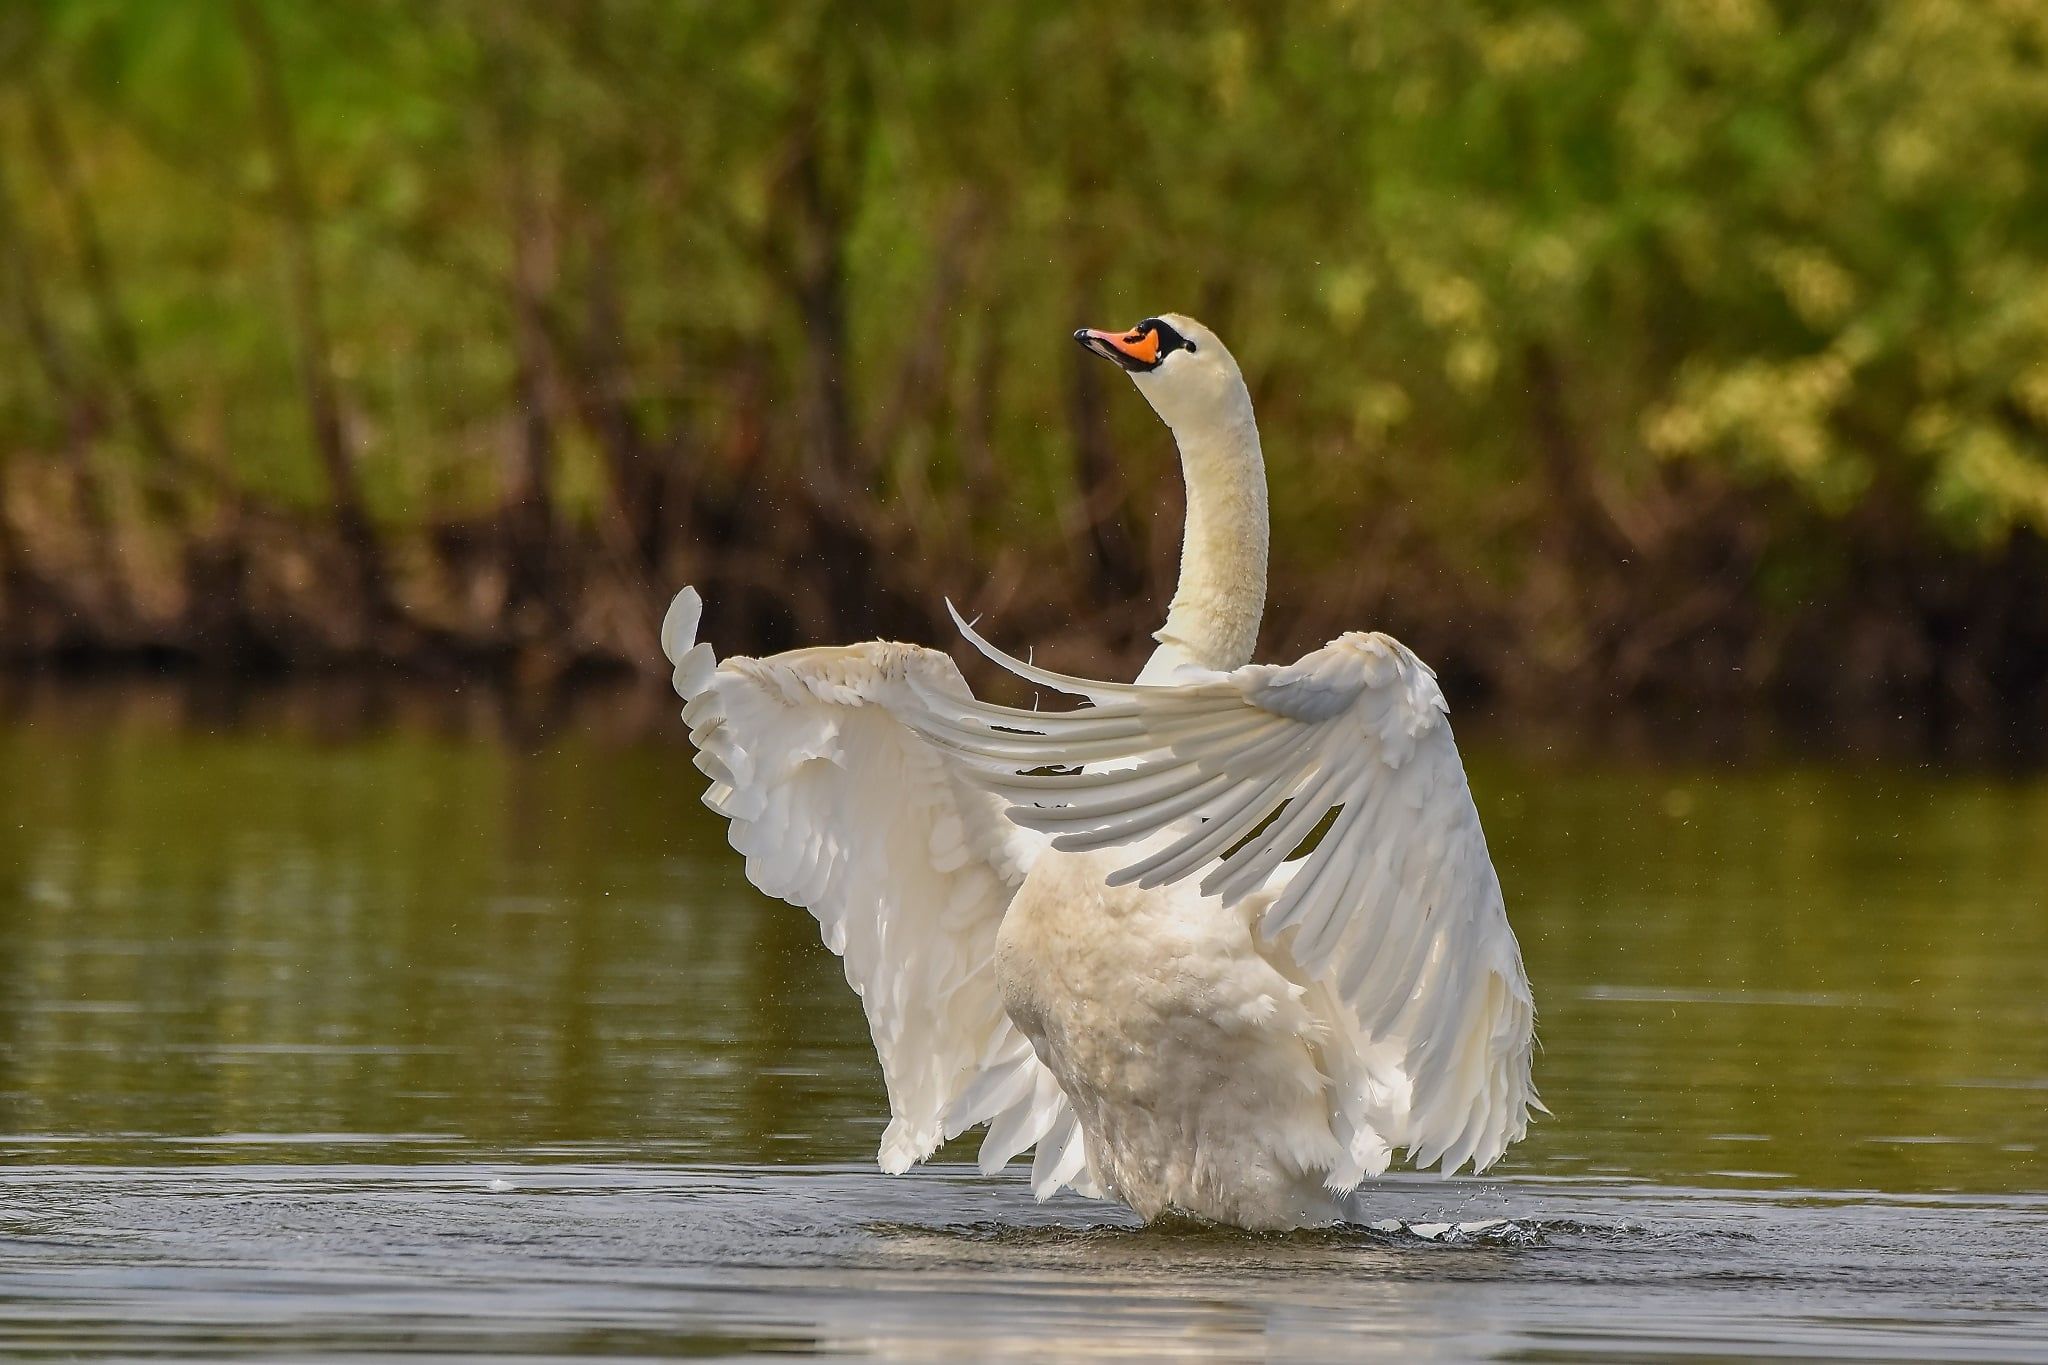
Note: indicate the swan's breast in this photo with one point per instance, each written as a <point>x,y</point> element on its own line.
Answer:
<point>1186,1055</point>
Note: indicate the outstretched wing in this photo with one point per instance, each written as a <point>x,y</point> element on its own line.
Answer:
<point>1394,916</point>
<point>840,809</point>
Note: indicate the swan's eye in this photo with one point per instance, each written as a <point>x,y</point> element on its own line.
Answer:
<point>1169,340</point>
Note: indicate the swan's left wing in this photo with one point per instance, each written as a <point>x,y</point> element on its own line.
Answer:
<point>1393,916</point>
<point>840,808</point>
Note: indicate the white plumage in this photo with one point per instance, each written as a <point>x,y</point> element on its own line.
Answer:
<point>1140,972</point>
<point>840,809</point>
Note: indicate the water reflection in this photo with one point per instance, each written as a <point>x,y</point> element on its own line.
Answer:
<point>417,937</point>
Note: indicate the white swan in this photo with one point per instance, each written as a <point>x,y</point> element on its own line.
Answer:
<point>1130,972</point>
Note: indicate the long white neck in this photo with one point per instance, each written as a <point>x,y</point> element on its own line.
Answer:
<point>1214,618</point>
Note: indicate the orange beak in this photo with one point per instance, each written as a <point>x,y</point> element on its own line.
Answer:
<point>1135,350</point>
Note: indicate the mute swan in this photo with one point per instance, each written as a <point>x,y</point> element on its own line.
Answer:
<point>1086,929</point>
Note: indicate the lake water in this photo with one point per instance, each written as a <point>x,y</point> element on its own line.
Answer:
<point>352,1040</point>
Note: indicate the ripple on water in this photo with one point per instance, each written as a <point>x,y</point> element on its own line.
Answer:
<point>342,1261</point>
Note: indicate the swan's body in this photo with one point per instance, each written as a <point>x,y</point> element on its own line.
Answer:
<point>1084,928</point>
<point>1190,1060</point>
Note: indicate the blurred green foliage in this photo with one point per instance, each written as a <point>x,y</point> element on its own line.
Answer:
<point>1493,270</point>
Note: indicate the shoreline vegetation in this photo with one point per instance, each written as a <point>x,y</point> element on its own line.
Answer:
<point>1649,362</point>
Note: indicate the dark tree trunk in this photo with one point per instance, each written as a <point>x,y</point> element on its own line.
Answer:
<point>1593,535</point>
<point>532,604</point>
<point>117,339</point>
<point>631,457</point>
<point>72,396</point>
<point>316,370</point>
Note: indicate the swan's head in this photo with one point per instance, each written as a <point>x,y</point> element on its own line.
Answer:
<point>1179,365</point>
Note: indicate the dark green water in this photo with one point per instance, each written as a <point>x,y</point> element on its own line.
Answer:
<point>280,999</point>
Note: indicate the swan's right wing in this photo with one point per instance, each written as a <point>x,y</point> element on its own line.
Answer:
<point>839,808</point>
<point>1328,796</point>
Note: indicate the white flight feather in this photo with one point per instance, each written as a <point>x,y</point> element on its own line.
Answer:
<point>839,808</point>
